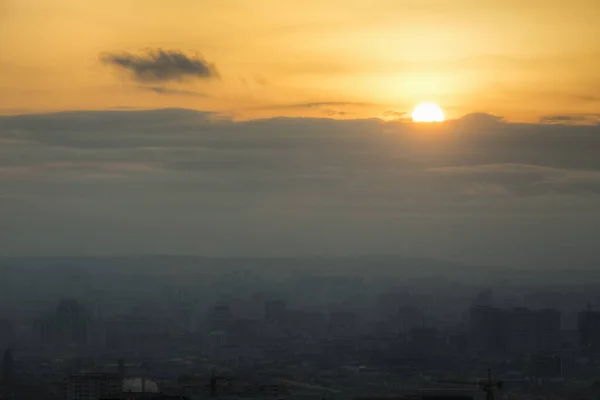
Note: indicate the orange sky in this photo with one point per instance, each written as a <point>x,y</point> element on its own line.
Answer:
<point>343,59</point>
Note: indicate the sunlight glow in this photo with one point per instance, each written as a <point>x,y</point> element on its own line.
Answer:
<point>427,112</point>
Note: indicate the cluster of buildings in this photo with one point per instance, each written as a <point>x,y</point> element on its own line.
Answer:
<point>517,330</point>
<point>354,347</point>
<point>525,331</point>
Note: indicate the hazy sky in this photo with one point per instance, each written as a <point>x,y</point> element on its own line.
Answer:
<point>519,59</point>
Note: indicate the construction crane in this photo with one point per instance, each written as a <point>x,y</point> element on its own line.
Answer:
<point>487,385</point>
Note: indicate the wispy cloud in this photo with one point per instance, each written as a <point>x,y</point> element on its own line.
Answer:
<point>394,114</point>
<point>571,119</point>
<point>323,104</point>
<point>169,91</point>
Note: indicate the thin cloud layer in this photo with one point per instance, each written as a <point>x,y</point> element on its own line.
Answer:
<point>571,119</point>
<point>169,91</point>
<point>161,66</point>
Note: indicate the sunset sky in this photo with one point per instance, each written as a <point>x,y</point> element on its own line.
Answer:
<point>343,59</point>
<point>173,127</point>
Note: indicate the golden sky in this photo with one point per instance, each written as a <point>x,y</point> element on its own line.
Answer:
<point>344,59</point>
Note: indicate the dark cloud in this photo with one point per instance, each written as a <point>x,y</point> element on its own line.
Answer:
<point>293,184</point>
<point>161,65</point>
<point>168,91</point>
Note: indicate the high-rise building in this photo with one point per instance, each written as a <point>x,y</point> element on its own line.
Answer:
<point>71,322</point>
<point>6,290</point>
<point>542,366</point>
<point>589,330</point>
<point>424,340</point>
<point>8,367</point>
<point>533,331</point>
<point>92,386</point>
<point>310,323</point>
<point>220,317</point>
<point>44,329</point>
<point>521,330</point>
<point>7,333</point>
<point>276,312</point>
<point>484,299</point>
<point>487,329</point>
<point>121,368</point>
<point>409,318</point>
<point>548,330</point>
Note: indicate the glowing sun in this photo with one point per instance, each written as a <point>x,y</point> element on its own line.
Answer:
<point>427,112</point>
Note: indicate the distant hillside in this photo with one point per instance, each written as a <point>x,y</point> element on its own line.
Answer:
<point>393,266</point>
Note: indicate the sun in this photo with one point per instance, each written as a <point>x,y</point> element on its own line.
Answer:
<point>427,112</point>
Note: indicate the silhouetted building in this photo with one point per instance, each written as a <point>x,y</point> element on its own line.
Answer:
<point>548,330</point>
<point>121,366</point>
<point>542,366</point>
<point>589,330</point>
<point>409,318</point>
<point>144,396</point>
<point>7,333</point>
<point>484,299</point>
<point>216,342</point>
<point>69,325</point>
<point>44,329</point>
<point>71,322</point>
<point>276,312</point>
<point>6,290</point>
<point>128,332</point>
<point>519,330</point>
<point>457,341</point>
<point>309,323</point>
<point>7,382</point>
<point>532,331</point>
<point>92,386</point>
<point>487,329</point>
<point>8,367</point>
<point>220,317</point>
<point>424,340</point>
<point>521,327</point>
<point>445,394</point>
